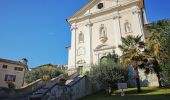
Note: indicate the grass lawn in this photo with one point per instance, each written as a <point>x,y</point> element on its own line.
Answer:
<point>151,93</point>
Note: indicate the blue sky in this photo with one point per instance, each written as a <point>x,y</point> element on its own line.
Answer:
<point>38,31</point>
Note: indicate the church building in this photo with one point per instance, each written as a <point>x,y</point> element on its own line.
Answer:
<point>97,28</point>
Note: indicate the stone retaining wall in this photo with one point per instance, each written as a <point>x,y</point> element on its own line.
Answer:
<point>22,92</point>
<point>145,79</point>
<point>75,89</point>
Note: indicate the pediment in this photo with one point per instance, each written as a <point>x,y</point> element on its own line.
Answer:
<point>81,61</point>
<point>101,46</point>
<point>92,7</point>
<point>104,47</point>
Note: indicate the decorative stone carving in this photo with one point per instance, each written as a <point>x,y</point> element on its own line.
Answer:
<point>81,51</point>
<point>81,62</point>
<point>74,27</point>
<point>89,24</point>
<point>136,11</point>
<point>127,26</point>
<point>117,17</point>
<point>103,47</point>
<point>102,34</point>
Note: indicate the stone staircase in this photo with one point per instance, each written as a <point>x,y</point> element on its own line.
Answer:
<point>22,98</point>
<point>76,87</point>
<point>59,80</point>
<point>42,90</point>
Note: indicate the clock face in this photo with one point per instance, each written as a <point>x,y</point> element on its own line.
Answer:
<point>100,6</point>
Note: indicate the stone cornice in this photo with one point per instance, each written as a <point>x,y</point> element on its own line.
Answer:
<point>108,17</point>
<point>107,48</point>
<point>73,27</point>
<point>89,24</point>
<point>136,11</point>
<point>117,17</point>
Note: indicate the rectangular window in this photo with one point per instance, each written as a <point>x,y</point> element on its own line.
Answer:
<point>4,66</point>
<point>10,78</point>
<point>18,69</point>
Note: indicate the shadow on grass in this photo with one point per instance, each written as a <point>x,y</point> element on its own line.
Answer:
<point>134,91</point>
<point>128,97</point>
<point>131,94</point>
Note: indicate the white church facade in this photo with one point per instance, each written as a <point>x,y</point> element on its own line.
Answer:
<point>97,28</point>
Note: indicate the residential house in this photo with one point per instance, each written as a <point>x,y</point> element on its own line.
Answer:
<point>12,71</point>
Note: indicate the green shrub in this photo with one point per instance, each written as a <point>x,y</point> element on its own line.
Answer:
<point>108,74</point>
<point>11,85</point>
<point>46,73</point>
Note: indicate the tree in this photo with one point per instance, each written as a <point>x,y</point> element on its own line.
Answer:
<point>165,40</point>
<point>132,54</point>
<point>46,73</point>
<point>158,46</point>
<point>109,74</point>
<point>110,59</point>
<point>156,38</point>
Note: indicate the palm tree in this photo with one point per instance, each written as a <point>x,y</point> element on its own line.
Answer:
<point>132,54</point>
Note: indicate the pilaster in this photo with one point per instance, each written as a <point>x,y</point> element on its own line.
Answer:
<point>137,14</point>
<point>73,46</point>
<point>117,33</point>
<point>88,44</point>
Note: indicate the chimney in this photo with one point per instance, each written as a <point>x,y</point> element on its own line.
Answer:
<point>24,61</point>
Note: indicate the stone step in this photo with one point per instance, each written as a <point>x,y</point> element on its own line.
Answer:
<point>24,98</point>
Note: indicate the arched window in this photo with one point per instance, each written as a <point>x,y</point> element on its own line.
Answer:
<point>81,37</point>
<point>128,28</point>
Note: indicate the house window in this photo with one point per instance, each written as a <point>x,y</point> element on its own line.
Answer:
<point>18,69</point>
<point>4,66</point>
<point>10,78</point>
<point>81,37</point>
<point>127,27</point>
